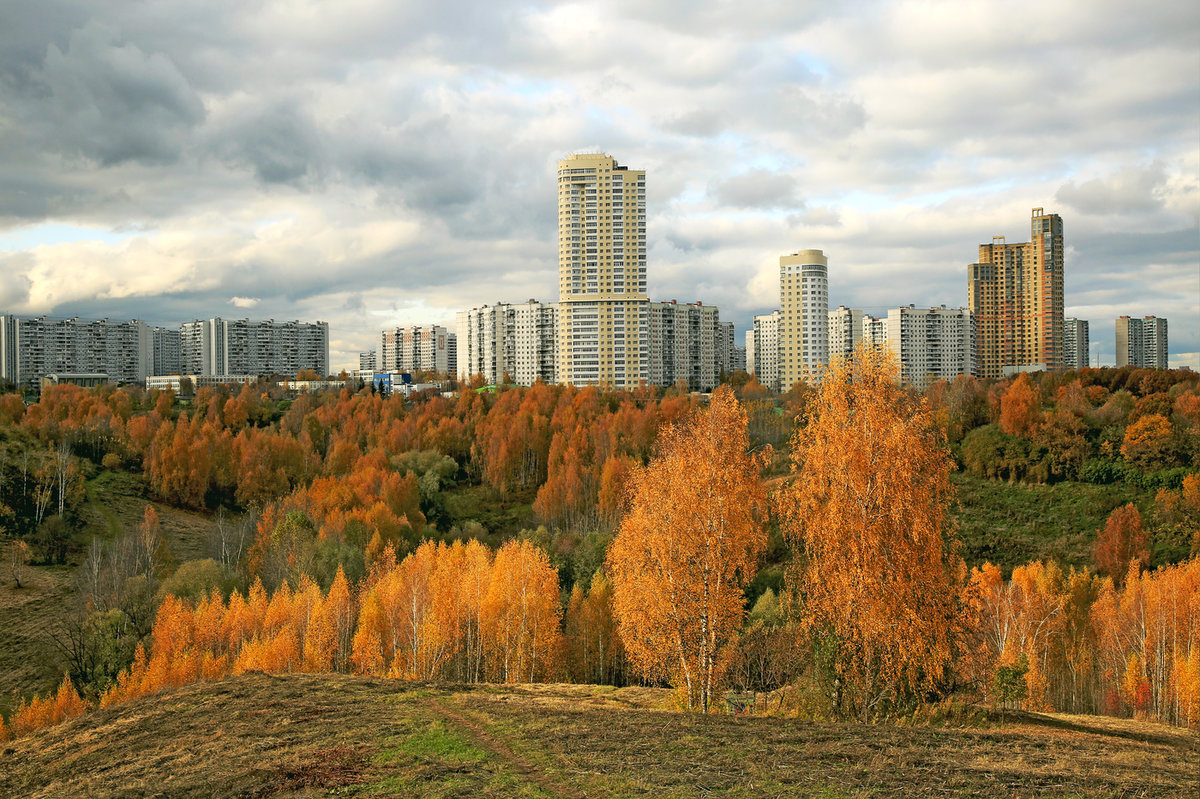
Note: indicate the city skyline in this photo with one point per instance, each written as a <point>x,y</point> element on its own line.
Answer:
<point>379,168</point>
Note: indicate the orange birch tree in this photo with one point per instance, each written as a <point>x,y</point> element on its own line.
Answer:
<point>691,541</point>
<point>868,509</point>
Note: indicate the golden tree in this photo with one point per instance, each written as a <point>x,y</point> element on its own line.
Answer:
<point>867,509</point>
<point>690,542</point>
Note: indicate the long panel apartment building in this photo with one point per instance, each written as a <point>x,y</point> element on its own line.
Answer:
<point>762,349</point>
<point>34,347</point>
<point>241,347</point>
<point>931,343</point>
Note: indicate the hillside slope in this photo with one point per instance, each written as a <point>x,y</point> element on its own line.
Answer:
<point>310,735</point>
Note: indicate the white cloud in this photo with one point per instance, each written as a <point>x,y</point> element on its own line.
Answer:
<point>380,164</point>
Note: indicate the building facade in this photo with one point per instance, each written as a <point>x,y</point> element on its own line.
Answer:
<point>32,348</point>
<point>931,343</point>
<point>417,349</point>
<point>1142,342</point>
<point>1015,296</point>
<point>241,347</point>
<point>804,320</point>
<point>602,309</point>
<point>368,361</point>
<point>517,342</point>
<point>682,344</point>
<point>1076,346</point>
<point>737,359</point>
<point>845,332</point>
<point>167,351</point>
<point>727,347</point>
<point>763,343</point>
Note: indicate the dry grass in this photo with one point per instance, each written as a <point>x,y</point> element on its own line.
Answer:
<point>29,663</point>
<point>117,502</point>
<point>310,735</point>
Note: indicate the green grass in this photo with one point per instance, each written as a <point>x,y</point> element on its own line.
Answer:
<point>1012,524</point>
<point>502,515</point>
<point>432,744</point>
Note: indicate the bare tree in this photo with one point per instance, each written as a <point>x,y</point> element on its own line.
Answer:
<point>227,539</point>
<point>64,475</point>
<point>16,559</point>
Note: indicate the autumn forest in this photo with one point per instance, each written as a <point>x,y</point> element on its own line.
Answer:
<point>798,554</point>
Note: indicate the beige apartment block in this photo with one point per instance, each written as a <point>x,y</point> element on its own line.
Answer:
<point>602,307</point>
<point>1015,296</point>
<point>804,317</point>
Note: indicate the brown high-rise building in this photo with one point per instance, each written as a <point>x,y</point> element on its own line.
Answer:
<point>1015,295</point>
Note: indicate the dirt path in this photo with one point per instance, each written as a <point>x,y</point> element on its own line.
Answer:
<point>493,745</point>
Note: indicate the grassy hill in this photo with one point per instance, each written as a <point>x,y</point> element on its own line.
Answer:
<point>310,735</point>
<point>1011,524</point>
<point>30,616</point>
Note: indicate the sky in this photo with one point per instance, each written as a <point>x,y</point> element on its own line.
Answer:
<point>374,164</point>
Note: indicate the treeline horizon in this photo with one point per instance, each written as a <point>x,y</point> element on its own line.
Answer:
<point>339,484</point>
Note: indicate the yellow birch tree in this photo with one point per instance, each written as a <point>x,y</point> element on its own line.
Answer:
<point>691,541</point>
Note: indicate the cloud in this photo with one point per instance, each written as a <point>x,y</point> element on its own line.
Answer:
<point>1131,189</point>
<point>374,163</point>
<point>758,188</point>
<point>244,302</point>
<point>111,102</point>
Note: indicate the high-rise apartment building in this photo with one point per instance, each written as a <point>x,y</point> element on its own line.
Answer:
<point>1015,296</point>
<point>31,348</point>
<point>726,349</point>
<point>416,349</point>
<point>602,308</point>
<point>845,332</point>
<point>804,321</point>
<point>737,360</point>
<point>368,361</point>
<point>1076,352</point>
<point>168,353</point>
<point>763,340</point>
<point>1142,342</point>
<point>506,340</point>
<point>875,330</point>
<point>682,345</point>
<point>240,347</point>
<point>931,343</point>
<point>749,351</point>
